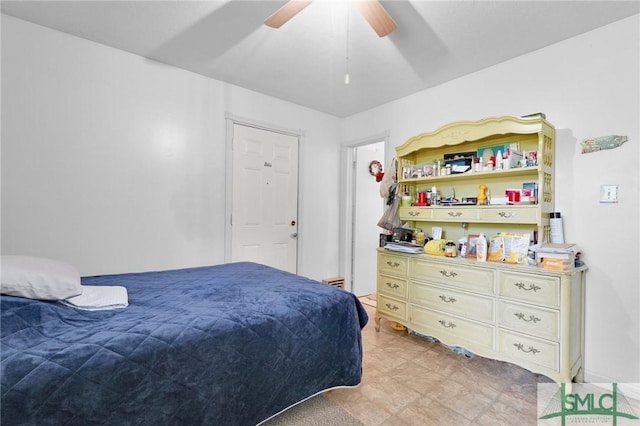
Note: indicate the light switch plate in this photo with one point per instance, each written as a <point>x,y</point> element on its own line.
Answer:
<point>608,193</point>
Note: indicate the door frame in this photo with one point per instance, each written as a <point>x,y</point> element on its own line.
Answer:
<point>231,120</point>
<point>347,191</point>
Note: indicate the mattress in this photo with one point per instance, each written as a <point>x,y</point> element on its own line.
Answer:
<point>228,344</point>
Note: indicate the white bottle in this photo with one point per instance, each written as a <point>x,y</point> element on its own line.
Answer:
<point>499,160</point>
<point>557,232</point>
<point>481,248</point>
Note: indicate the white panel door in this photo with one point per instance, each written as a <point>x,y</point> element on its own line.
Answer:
<point>264,221</point>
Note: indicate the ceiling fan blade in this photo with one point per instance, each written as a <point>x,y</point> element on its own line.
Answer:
<point>375,14</point>
<point>286,12</point>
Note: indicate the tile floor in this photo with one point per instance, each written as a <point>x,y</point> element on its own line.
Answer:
<point>408,380</point>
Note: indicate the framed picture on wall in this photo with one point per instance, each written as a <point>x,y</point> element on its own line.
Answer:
<point>471,245</point>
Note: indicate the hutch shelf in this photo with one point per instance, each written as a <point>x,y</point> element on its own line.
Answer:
<point>526,315</point>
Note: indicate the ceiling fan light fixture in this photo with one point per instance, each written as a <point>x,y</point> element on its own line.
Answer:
<point>372,11</point>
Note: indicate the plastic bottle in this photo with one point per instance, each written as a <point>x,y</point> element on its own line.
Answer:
<point>481,248</point>
<point>557,232</point>
<point>499,160</point>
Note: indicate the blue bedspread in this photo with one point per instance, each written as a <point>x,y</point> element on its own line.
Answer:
<point>223,345</point>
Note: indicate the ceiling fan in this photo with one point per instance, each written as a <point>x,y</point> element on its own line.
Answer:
<point>371,10</point>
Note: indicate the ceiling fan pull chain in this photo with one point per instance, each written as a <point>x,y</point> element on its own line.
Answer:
<point>346,76</point>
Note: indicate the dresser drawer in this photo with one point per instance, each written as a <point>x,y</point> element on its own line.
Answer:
<point>415,213</point>
<point>391,307</point>
<point>506,214</point>
<point>529,319</point>
<point>538,289</point>
<point>393,264</point>
<point>392,286</point>
<point>457,214</point>
<point>529,349</point>
<point>462,276</point>
<point>456,302</point>
<point>450,329</point>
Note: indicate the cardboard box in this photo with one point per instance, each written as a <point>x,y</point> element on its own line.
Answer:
<point>557,264</point>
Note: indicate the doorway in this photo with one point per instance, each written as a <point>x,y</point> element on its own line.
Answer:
<point>362,208</point>
<point>263,197</point>
<point>367,209</point>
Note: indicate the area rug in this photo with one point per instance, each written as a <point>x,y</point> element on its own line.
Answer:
<point>316,411</point>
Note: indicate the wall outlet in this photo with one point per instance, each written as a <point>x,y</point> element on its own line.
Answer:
<point>608,193</point>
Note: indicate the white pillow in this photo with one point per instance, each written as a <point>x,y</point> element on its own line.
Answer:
<point>39,278</point>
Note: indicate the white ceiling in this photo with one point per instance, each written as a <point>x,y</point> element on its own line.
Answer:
<point>306,59</point>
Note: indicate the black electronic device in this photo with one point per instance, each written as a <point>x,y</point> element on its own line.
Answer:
<point>402,234</point>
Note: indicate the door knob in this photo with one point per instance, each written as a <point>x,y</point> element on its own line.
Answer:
<point>294,235</point>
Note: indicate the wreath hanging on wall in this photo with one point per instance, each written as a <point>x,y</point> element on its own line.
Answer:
<point>375,169</point>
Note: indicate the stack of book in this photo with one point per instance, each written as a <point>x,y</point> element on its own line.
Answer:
<point>404,247</point>
<point>557,256</point>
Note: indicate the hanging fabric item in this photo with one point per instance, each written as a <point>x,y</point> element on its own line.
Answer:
<point>389,179</point>
<point>391,217</point>
<point>388,189</point>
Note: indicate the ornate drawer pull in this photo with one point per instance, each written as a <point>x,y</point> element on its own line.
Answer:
<point>392,307</point>
<point>447,325</point>
<point>531,287</point>
<point>448,274</point>
<point>531,349</point>
<point>532,318</point>
<point>455,214</point>
<point>446,299</point>
<point>506,214</point>
<point>413,213</point>
<point>393,264</point>
<point>392,285</point>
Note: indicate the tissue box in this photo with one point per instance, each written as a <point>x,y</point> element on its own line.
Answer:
<point>498,201</point>
<point>460,165</point>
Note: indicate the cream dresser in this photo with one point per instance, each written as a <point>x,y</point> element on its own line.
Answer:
<point>528,316</point>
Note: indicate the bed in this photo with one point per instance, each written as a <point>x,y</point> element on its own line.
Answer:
<point>229,344</point>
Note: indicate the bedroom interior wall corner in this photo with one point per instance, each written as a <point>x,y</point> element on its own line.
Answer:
<point>609,105</point>
<point>115,163</point>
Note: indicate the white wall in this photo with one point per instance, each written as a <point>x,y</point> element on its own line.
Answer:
<point>587,86</point>
<point>115,163</point>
